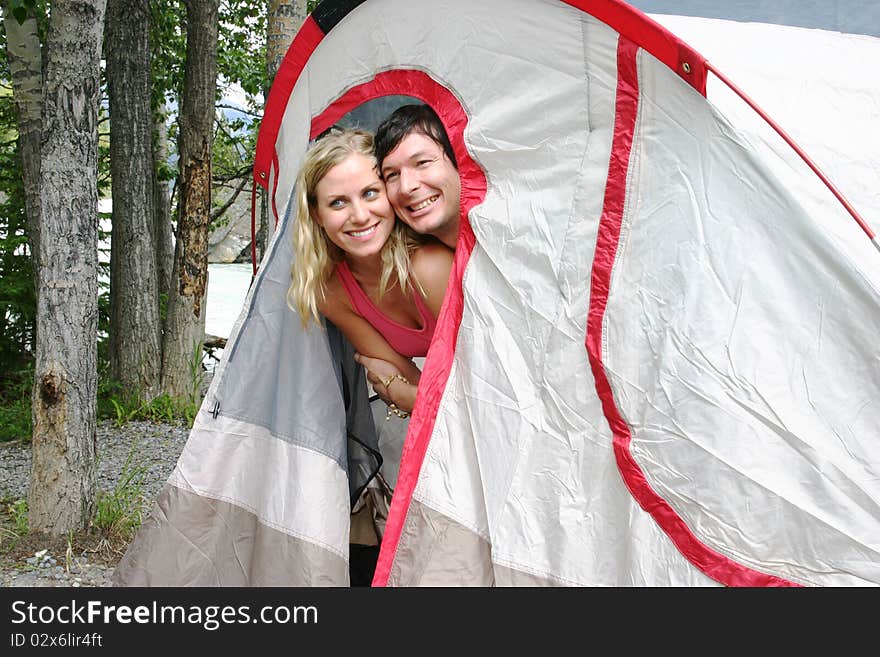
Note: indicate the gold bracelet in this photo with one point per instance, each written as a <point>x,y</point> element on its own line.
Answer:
<point>392,408</point>
<point>387,382</point>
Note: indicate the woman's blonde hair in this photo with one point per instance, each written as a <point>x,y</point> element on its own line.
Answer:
<point>314,256</point>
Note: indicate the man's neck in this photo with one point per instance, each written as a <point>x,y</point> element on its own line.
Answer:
<point>449,236</point>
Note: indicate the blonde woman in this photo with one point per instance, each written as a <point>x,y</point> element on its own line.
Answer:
<point>379,282</point>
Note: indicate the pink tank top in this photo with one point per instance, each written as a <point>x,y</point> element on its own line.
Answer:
<point>404,340</point>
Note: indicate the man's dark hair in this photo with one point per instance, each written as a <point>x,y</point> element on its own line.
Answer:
<point>407,119</point>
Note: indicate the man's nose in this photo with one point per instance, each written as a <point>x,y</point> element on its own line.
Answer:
<point>408,180</point>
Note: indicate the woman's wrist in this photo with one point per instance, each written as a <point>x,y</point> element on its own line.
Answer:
<point>402,395</point>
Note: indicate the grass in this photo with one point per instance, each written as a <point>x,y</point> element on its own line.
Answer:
<point>159,409</point>
<point>118,515</point>
<point>15,522</point>
<point>119,512</point>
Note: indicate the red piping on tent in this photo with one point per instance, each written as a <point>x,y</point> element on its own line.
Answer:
<point>649,35</point>
<point>710,562</point>
<point>639,31</point>
<point>620,16</point>
<point>797,149</point>
<point>438,363</point>
<point>305,42</point>
<point>254,227</point>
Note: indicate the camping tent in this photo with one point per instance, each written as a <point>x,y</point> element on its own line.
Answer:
<point>656,363</point>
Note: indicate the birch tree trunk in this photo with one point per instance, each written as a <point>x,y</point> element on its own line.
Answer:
<point>185,323</point>
<point>62,492</point>
<point>25,67</point>
<point>283,20</point>
<point>135,326</point>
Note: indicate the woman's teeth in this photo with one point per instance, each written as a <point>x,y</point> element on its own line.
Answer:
<point>364,232</point>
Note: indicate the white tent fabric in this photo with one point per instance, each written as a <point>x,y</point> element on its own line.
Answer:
<point>656,364</point>
<point>804,79</point>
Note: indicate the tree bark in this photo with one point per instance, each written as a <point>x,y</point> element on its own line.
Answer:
<point>62,492</point>
<point>162,203</point>
<point>283,20</point>
<point>135,326</point>
<point>185,323</point>
<point>26,69</point>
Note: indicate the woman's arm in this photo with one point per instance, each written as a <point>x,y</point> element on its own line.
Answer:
<point>368,342</point>
<point>430,265</point>
<point>383,376</point>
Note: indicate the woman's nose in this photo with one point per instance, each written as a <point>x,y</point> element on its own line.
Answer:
<point>360,212</point>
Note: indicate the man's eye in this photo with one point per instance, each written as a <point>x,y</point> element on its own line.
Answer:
<point>391,175</point>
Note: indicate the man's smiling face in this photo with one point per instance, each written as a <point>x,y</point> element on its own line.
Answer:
<point>423,187</point>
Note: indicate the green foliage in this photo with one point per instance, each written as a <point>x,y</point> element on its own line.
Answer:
<point>168,45</point>
<point>18,511</point>
<point>118,513</point>
<point>15,522</point>
<point>241,62</point>
<point>18,301</point>
<point>241,57</point>
<point>15,411</point>
<point>165,409</point>
<point>20,9</point>
<point>114,404</point>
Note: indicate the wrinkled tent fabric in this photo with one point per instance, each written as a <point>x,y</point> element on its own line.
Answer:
<point>656,363</point>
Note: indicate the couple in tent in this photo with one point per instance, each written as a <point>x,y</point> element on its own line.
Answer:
<point>377,220</point>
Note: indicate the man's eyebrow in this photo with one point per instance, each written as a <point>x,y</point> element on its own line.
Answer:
<point>413,156</point>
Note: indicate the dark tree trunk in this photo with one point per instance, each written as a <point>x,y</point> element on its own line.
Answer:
<point>135,327</point>
<point>185,323</point>
<point>62,492</point>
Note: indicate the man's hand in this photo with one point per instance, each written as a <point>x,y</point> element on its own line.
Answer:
<point>397,391</point>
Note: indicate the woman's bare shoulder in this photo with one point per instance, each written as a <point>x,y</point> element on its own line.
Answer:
<point>335,299</point>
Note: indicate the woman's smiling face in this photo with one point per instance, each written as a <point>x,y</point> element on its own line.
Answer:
<point>352,207</point>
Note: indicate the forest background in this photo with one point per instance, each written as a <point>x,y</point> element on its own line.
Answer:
<point>120,99</point>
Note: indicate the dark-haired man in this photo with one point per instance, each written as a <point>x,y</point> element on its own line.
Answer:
<point>418,165</point>
<point>420,171</point>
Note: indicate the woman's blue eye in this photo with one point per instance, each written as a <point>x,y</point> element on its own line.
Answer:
<point>336,203</point>
<point>371,193</point>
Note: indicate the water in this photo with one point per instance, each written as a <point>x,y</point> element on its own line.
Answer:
<point>227,287</point>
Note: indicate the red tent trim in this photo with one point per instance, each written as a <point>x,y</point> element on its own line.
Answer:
<point>618,15</point>
<point>712,563</point>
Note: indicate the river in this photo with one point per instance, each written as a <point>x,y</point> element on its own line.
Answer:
<point>227,287</point>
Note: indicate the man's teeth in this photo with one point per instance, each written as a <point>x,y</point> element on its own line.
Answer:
<point>364,232</point>
<point>424,204</point>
